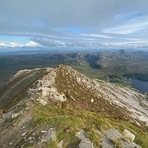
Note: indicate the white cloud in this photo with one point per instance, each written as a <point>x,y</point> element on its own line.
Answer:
<point>16,45</point>
<point>138,24</point>
<point>31,44</point>
<point>97,35</point>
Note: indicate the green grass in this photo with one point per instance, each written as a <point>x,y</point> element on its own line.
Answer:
<point>70,119</point>
<point>117,143</point>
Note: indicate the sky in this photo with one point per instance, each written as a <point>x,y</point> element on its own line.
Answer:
<point>73,23</point>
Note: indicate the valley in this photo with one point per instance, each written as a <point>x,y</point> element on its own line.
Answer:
<point>111,66</point>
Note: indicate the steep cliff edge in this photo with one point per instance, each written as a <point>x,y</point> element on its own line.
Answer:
<point>47,107</point>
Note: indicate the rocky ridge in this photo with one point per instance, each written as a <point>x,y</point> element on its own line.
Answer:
<point>133,101</point>
<point>63,87</point>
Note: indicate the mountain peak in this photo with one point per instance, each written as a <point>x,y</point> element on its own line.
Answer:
<point>48,106</point>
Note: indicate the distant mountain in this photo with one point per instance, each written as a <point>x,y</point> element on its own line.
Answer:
<point>102,65</point>
<point>60,107</point>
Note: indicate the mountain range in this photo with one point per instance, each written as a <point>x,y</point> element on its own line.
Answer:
<point>113,66</point>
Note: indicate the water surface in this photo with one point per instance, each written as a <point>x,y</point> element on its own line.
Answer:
<point>139,85</point>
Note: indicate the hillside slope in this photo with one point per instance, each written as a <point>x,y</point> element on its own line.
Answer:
<point>59,107</point>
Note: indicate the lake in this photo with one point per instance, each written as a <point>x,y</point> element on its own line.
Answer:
<point>139,85</point>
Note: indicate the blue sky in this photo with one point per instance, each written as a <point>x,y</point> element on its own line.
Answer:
<point>71,22</point>
<point>13,38</point>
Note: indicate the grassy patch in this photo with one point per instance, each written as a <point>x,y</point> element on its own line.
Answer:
<point>70,119</point>
<point>117,143</point>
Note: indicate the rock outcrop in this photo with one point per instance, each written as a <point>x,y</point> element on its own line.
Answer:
<point>113,138</point>
<point>129,135</point>
<point>85,142</point>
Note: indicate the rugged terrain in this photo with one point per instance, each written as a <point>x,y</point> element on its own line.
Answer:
<point>112,66</point>
<point>60,107</point>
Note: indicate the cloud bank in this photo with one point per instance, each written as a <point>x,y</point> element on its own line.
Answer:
<point>60,23</point>
<point>16,45</point>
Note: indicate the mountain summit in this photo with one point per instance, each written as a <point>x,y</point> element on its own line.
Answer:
<point>60,107</point>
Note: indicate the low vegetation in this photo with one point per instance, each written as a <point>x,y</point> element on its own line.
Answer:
<point>68,119</point>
